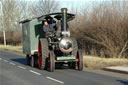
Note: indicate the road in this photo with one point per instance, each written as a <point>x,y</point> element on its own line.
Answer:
<point>13,71</point>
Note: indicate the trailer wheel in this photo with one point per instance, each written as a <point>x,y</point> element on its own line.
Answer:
<point>51,61</point>
<point>80,60</point>
<point>27,59</point>
<point>32,61</point>
<point>42,53</point>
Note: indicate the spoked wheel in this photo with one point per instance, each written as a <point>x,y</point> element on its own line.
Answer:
<point>51,61</point>
<point>27,59</point>
<point>42,53</point>
<point>80,60</point>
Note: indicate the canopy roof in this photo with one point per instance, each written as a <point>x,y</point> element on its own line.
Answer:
<point>54,16</point>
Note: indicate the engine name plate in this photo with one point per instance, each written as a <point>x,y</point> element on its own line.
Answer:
<point>66,58</point>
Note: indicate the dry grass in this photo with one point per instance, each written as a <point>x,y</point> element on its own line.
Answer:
<point>97,63</point>
<point>12,48</point>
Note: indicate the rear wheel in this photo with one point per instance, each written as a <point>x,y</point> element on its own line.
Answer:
<point>42,53</point>
<point>39,55</point>
<point>80,60</point>
<point>27,59</point>
<point>51,61</point>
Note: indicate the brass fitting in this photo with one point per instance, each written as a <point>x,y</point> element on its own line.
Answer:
<point>64,9</point>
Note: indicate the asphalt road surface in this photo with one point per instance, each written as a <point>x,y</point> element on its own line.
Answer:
<point>13,71</point>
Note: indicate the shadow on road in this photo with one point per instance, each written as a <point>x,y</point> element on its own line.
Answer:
<point>19,60</point>
<point>123,82</point>
<point>57,66</point>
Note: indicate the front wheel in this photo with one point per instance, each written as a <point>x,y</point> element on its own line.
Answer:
<point>80,60</point>
<point>51,61</point>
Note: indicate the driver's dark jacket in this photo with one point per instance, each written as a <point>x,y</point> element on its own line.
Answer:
<point>49,27</point>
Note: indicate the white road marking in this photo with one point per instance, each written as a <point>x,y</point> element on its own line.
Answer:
<point>55,80</point>
<point>5,61</point>
<point>34,72</point>
<point>12,63</point>
<point>21,67</point>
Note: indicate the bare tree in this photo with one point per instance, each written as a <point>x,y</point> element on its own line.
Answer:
<point>42,7</point>
<point>104,28</point>
<point>13,12</point>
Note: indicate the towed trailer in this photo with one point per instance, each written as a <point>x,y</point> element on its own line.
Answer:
<point>57,48</point>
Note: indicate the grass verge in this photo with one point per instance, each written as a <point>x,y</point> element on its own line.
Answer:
<point>98,63</point>
<point>12,48</point>
<point>91,62</point>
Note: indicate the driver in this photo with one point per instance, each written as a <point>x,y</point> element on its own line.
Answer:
<point>48,27</point>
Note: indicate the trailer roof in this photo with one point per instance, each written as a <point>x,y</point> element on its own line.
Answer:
<point>57,16</point>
